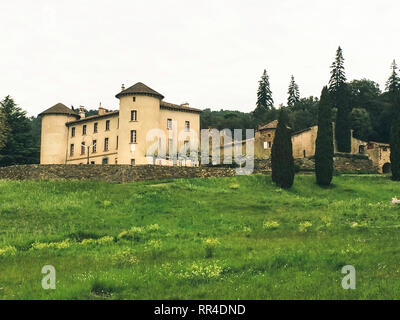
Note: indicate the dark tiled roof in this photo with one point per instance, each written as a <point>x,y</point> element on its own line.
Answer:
<point>59,108</point>
<point>177,107</point>
<point>269,125</point>
<point>94,117</point>
<point>140,88</point>
<point>302,130</point>
<point>381,144</point>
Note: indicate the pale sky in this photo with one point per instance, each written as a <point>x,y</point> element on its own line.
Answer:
<point>208,53</point>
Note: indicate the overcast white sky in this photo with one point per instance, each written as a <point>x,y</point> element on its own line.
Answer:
<point>208,53</point>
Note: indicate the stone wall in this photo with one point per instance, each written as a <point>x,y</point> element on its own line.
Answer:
<point>127,173</point>
<point>354,163</point>
<point>343,162</point>
<point>110,173</point>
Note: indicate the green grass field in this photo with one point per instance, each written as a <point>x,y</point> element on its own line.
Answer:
<point>215,238</point>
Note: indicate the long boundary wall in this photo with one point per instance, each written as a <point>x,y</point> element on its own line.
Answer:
<point>111,173</point>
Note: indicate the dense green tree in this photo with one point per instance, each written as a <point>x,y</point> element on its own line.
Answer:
<point>310,104</point>
<point>36,129</point>
<point>226,119</point>
<point>303,114</point>
<point>293,93</point>
<point>365,94</point>
<point>361,124</point>
<point>265,101</point>
<point>19,146</point>
<point>282,162</point>
<point>3,130</point>
<point>395,140</point>
<point>393,83</point>
<point>324,143</point>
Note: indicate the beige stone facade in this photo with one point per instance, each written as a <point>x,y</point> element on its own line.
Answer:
<point>121,136</point>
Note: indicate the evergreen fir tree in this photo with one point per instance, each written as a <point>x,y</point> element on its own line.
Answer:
<point>293,93</point>
<point>324,143</point>
<point>282,162</point>
<point>264,97</point>
<point>338,75</point>
<point>393,83</point>
<point>395,140</point>
<point>340,96</point>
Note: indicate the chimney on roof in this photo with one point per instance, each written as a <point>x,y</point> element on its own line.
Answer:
<point>122,87</point>
<point>101,110</point>
<point>82,112</point>
<point>186,105</point>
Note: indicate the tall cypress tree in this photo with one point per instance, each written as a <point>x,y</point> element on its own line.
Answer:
<point>293,93</point>
<point>340,95</point>
<point>324,142</point>
<point>264,97</point>
<point>282,162</point>
<point>395,139</point>
<point>343,118</point>
<point>393,83</point>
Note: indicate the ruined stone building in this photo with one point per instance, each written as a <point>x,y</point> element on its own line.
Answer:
<point>304,145</point>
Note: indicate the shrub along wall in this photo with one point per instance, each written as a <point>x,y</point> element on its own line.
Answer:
<point>110,173</point>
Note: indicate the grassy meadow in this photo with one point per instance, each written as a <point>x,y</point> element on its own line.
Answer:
<point>215,238</point>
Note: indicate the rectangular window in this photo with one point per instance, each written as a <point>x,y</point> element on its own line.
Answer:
<point>186,146</point>
<point>133,136</point>
<point>84,129</point>
<point>83,147</point>
<point>169,124</point>
<point>107,125</point>
<point>95,127</point>
<point>71,150</point>
<point>94,146</point>
<point>92,162</point>
<point>132,162</point>
<point>117,143</point>
<point>187,126</point>
<point>106,144</point>
<point>133,115</point>
<point>73,132</point>
<point>134,99</point>
<point>170,144</point>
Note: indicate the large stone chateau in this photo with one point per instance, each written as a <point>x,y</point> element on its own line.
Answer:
<point>118,137</point>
